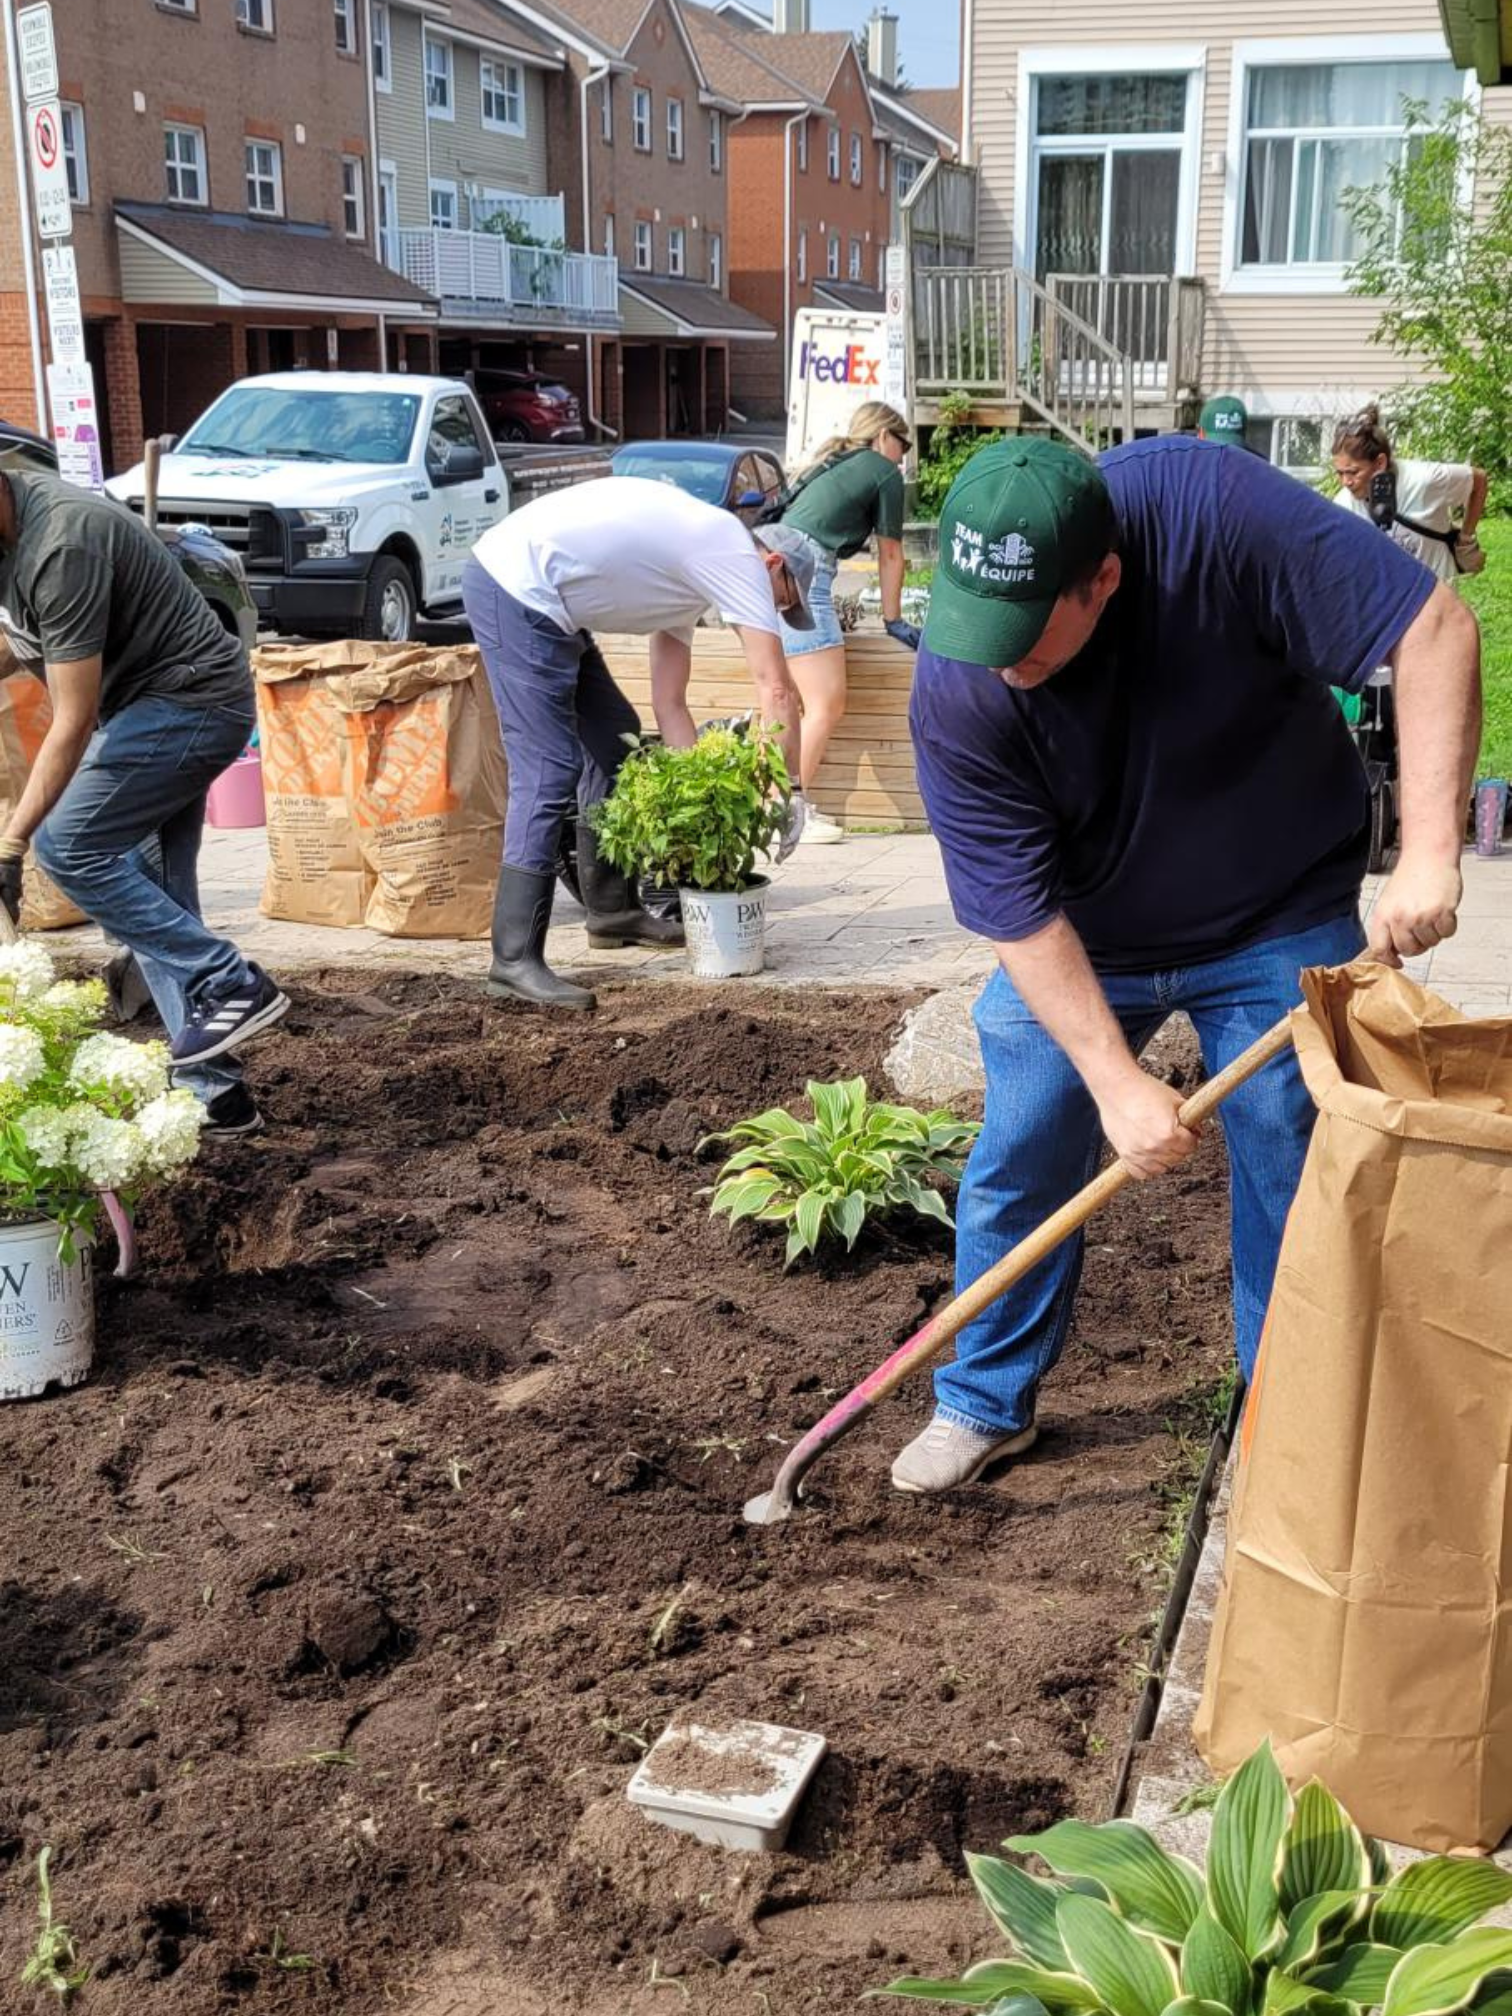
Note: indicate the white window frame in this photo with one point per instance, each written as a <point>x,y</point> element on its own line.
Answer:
<point>264,8</point>
<point>645,242</point>
<point>1234,278</point>
<point>832,154</point>
<point>355,167</point>
<point>857,161</point>
<point>641,109</point>
<point>832,256</point>
<point>200,165</point>
<point>609,251</point>
<point>716,261</point>
<point>716,141</point>
<point>494,82</point>
<point>802,257</point>
<point>674,129</point>
<point>386,235</point>
<point>344,21</point>
<point>677,251</point>
<point>253,173</point>
<point>854,269</point>
<point>75,152</point>
<point>440,185</point>
<point>1099,59</point>
<point>903,183</point>
<point>179,6</point>
<point>428,42</point>
<point>803,148</point>
<point>606,113</point>
<point>381,42</point>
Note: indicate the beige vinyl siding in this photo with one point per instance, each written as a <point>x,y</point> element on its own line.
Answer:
<point>1284,351</point>
<point>402,124</point>
<point>464,150</point>
<point>147,275</point>
<point>639,318</point>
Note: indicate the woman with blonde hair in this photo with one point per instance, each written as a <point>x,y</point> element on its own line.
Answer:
<point>850,492</point>
<point>1414,502</point>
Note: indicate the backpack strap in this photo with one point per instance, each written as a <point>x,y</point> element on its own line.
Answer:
<point>788,496</point>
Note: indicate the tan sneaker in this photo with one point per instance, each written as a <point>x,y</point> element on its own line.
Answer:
<point>946,1456</point>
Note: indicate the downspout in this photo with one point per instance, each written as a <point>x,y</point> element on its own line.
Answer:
<point>797,119</point>
<point>968,25</point>
<point>597,76</point>
<point>23,194</point>
<point>375,177</point>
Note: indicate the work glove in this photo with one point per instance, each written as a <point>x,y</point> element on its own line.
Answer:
<point>10,877</point>
<point>792,825</point>
<point>904,633</point>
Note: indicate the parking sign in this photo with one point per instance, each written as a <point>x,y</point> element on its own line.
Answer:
<point>44,130</point>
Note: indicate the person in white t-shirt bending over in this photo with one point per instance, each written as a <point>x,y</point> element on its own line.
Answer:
<point>616,554</point>
<point>1415,502</point>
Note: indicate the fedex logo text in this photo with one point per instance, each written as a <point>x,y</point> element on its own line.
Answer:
<point>851,367</point>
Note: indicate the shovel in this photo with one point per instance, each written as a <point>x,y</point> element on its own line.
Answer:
<point>774,1505</point>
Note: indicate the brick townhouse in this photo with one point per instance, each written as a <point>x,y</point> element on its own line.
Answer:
<point>824,150</point>
<point>221,177</point>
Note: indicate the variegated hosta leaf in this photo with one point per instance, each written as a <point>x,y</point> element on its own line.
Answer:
<point>1244,1852</point>
<point>1214,1967</point>
<point>1132,1973</point>
<point>1190,2005</point>
<point>1316,1921</point>
<point>1437,1979</point>
<point>1435,1900</point>
<point>1158,1892</point>
<point>1360,1973</point>
<point>993,1980</point>
<point>1324,1850</point>
<point>1023,1906</point>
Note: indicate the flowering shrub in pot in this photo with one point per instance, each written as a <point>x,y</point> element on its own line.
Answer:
<point>88,1121</point>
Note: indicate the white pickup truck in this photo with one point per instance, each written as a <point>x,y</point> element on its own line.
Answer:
<point>351,498</point>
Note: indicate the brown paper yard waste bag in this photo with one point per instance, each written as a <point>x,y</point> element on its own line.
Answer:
<point>25,717</point>
<point>1365,1623</point>
<point>385,785</point>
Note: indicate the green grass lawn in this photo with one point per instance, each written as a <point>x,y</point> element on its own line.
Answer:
<point>1490,596</point>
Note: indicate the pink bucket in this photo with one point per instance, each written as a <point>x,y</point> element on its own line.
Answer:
<point>236,796</point>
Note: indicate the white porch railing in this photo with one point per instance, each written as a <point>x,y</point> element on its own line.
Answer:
<point>544,217</point>
<point>479,266</point>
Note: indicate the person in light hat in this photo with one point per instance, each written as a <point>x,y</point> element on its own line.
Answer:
<point>1224,419</point>
<point>1147,800</point>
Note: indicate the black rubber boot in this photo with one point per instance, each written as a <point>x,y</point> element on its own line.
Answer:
<point>616,915</point>
<point>522,910</point>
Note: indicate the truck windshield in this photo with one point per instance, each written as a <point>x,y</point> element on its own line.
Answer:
<point>313,426</point>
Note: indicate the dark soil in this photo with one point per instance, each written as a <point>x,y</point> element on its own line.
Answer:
<point>327,1607</point>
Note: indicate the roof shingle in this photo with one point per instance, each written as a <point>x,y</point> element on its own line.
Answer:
<point>262,258</point>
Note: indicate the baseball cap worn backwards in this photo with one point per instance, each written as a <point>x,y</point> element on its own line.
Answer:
<point>1224,418</point>
<point>1024,519</point>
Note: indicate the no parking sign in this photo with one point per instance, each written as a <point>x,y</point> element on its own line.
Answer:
<point>44,132</point>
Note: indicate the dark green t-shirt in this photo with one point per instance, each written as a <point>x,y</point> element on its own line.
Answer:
<point>844,506</point>
<point>86,576</point>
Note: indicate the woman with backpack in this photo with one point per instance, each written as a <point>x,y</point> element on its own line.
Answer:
<point>852,491</point>
<point>1413,502</point>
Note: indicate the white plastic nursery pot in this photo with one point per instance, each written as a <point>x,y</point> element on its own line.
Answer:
<point>737,1786</point>
<point>726,933</point>
<point>46,1311</point>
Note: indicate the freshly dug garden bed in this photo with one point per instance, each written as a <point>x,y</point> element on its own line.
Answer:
<point>403,1511</point>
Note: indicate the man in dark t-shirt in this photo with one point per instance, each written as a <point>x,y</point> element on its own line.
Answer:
<point>151,700</point>
<point>1147,799</point>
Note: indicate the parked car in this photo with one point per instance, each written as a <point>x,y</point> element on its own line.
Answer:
<point>352,497</point>
<point>528,406</point>
<point>737,478</point>
<point>213,568</point>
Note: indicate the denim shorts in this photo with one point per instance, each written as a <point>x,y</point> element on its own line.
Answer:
<point>826,633</point>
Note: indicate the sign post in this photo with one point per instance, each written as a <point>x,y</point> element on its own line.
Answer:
<point>39,56</point>
<point>895,332</point>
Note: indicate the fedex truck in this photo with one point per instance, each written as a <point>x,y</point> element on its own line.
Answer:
<point>840,360</point>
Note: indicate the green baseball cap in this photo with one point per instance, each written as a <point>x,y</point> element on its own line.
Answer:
<point>1023,520</point>
<point>1223,418</point>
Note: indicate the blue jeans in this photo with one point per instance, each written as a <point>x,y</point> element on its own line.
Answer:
<point>123,841</point>
<point>1040,1142</point>
<point>562,718</point>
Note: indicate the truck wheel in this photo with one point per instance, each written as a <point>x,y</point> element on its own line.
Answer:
<point>388,615</point>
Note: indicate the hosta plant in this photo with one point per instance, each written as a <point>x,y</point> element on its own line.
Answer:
<point>823,1178</point>
<point>696,818</point>
<point>1297,1911</point>
<point>82,1112</point>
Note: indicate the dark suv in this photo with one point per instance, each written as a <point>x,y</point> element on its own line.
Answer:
<point>527,406</point>
<point>213,568</point>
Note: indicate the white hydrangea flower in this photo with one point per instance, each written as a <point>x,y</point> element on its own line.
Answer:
<point>22,1058</point>
<point>170,1127</point>
<point>135,1071</point>
<point>110,1154</point>
<point>25,970</point>
<point>73,995</point>
<point>48,1132</point>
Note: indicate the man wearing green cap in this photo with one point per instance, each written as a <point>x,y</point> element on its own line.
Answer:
<point>1225,419</point>
<point>1147,799</point>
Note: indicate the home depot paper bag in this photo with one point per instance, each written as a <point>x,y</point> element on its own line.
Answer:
<point>386,787</point>
<point>1365,1624</point>
<point>25,717</point>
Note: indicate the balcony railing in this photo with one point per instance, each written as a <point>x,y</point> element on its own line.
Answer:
<point>1155,319</point>
<point>544,217</point>
<point>486,271</point>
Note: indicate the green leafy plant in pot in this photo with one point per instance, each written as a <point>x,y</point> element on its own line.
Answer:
<point>697,820</point>
<point>1297,1912</point>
